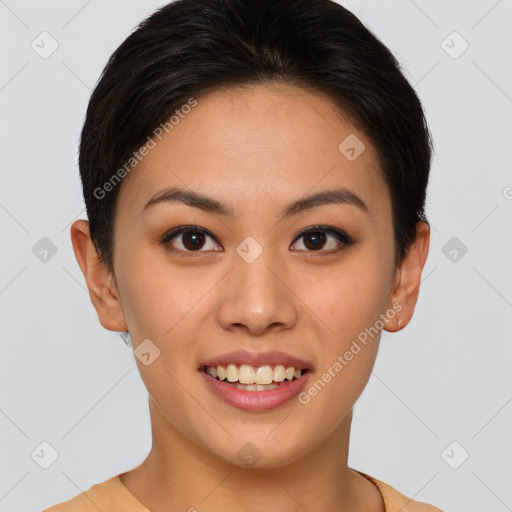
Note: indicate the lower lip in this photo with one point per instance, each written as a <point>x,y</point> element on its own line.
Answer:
<point>256,401</point>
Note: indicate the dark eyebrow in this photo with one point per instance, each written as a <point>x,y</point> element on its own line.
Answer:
<point>210,205</point>
<point>337,195</point>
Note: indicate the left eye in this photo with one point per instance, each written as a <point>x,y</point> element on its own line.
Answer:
<point>314,239</point>
<point>193,239</point>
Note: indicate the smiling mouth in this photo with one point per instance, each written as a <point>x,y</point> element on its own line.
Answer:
<point>252,378</point>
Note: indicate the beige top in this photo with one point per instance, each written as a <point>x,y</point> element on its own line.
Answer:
<point>113,496</point>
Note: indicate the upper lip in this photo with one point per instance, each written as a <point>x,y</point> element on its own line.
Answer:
<point>257,359</point>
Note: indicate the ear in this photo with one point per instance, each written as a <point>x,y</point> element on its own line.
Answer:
<point>407,280</point>
<point>100,282</point>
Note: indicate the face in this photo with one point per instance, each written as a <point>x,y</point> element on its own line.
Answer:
<point>253,274</point>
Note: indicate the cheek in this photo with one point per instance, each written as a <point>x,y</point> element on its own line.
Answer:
<point>350,298</point>
<point>156,302</point>
<point>350,304</point>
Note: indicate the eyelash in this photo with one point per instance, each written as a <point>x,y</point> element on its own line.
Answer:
<point>340,235</point>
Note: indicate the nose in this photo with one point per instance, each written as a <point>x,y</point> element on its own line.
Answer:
<point>257,297</point>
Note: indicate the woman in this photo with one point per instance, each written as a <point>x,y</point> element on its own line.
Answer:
<point>255,177</point>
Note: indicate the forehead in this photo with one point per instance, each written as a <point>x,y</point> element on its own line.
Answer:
<point>256,145</point>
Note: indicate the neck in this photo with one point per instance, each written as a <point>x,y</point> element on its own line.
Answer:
<point>181,474</point>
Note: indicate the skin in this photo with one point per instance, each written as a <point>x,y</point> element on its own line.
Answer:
<point>255,148</point>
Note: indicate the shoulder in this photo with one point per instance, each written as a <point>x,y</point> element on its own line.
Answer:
<point>395,501</point>
<point>108,496</point>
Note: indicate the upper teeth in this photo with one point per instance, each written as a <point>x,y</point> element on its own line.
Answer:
<point>250,375</point>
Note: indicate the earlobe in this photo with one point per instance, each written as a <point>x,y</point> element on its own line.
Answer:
<point>408,279</point>
<point>100,283</point>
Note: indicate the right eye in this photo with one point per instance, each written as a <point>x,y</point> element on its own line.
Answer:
<point>193,239</point>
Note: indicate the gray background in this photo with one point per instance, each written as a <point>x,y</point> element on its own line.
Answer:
<point>445,378</point>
